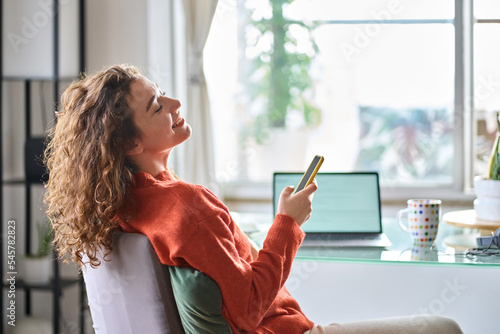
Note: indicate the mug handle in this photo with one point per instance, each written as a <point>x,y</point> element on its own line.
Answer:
<point>400,222</point>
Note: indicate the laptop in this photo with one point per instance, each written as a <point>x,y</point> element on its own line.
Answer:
<point>346,209</point>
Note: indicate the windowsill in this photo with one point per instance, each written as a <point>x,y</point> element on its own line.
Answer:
<point>257,197</point>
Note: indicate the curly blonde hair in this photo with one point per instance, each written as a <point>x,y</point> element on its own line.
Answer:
<point>89,173</point>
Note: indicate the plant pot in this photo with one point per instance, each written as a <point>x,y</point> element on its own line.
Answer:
<point>487,203</point>
<point>36,270</point>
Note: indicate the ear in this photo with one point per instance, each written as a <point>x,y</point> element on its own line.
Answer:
<point>136,149</point>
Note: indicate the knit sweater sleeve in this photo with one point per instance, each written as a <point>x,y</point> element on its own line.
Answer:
<point>248,288</point>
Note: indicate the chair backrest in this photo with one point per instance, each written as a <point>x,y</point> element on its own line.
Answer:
<point>131,293</point>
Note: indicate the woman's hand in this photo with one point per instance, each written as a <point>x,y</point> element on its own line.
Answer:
<point>299,205</point>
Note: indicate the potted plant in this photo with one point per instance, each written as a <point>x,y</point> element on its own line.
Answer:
<point>37,266</point>
<point>278,78</point>
<point>487,188</point>
<point>280,110</point>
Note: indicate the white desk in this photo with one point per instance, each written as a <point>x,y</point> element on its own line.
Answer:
<point>336,291</point>
<point>341,285</point>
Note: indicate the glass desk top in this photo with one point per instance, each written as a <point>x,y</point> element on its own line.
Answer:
<point>450,247</point>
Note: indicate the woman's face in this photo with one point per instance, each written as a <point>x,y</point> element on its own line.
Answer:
<point>157,117</point>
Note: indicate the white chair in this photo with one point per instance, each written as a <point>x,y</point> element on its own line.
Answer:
<point>131,293</point>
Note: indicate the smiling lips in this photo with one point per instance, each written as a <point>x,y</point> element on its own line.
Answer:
<point>177,121</point>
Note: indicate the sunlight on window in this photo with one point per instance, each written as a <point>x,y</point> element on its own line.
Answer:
<point>374,96</point>
<point>486,9</point>
<point>486,90</point>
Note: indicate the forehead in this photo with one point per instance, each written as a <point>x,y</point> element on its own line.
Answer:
<point>141,90</point>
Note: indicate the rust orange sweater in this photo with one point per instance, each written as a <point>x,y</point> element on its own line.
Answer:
<point>190,226</point>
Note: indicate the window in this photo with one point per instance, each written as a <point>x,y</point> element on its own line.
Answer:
<point>369,84</point>
<point>486,78</point>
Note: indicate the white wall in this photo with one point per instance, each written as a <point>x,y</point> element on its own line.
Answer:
<point>116,33</point>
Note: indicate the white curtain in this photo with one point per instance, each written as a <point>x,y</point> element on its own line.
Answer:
<point>198,158</point>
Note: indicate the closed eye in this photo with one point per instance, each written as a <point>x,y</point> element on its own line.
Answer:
<point>162,93</point>
<point>158,110</point>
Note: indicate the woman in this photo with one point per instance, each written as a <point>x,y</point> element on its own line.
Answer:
<point>108,162</point>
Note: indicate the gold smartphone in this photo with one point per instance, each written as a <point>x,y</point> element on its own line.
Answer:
<point>310,174</point>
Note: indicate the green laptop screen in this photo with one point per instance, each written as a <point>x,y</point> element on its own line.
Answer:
<point>344,202</point>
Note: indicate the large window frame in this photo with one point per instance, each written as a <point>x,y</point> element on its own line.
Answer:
<point>461,191</point>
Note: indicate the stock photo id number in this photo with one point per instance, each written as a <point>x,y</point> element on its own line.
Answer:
<point>11,273</point>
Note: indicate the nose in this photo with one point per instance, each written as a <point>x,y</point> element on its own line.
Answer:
<point>172,104</point>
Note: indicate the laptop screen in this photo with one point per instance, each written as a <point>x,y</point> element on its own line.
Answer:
<point>343,203</point>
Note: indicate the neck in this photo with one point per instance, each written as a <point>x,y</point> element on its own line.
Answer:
<point>153,165</point>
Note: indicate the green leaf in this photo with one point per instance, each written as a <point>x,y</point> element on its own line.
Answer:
<point>280,77</point>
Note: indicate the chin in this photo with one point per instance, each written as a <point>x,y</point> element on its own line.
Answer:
<point>187,133</point>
